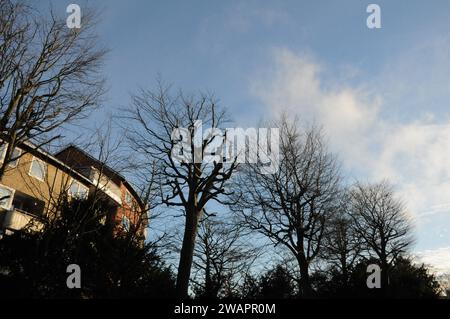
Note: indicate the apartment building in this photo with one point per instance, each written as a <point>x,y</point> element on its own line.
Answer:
<point>127,202</point>
<point>34,181</point>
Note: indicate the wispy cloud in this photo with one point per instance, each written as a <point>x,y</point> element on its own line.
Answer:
<point>242,17</point>
<point>295,86</point>
<point>438,259</point>
<point>413,152</point>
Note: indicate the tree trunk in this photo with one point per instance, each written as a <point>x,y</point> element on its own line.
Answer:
<point>8,153</point>
<point>384,277</point>
<point>306,290</point>
<point>384,268</point>
<point>208,293</point>
<point>187,252</point>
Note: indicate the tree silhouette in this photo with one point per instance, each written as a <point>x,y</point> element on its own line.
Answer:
<point>49,75</point>
<point>293,206</point>
<point>33,264</point>
<point>158,122</point>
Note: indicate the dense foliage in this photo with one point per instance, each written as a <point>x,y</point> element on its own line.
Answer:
<point>34,264</point>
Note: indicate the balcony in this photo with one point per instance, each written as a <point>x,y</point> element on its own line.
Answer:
<point>16,219</point>
<point>103,182</point>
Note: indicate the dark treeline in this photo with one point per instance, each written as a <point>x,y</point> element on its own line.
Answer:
<point>34,264</point>
<point>329,231</point>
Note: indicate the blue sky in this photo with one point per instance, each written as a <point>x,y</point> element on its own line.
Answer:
<point>382,95</point>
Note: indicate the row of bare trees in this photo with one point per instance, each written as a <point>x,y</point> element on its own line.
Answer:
<point>303,207</point>
<point>49,77</point>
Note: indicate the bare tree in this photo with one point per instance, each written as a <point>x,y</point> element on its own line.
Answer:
<point>293,206</point>
<point>223,256</point>
<point>156,122</point>
<point>342,244</point>
<point>49,75</point>
<point>381,221</point>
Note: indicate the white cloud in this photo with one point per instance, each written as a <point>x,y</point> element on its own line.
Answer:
<point>416,156</point>
<point>439,259</point>
<point>413,155</point>
<point>348,114</point>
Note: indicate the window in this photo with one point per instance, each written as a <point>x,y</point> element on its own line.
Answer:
<point>27,203</point>
<point>6,197</point>
<point>15,157</point>
<point>38,169</point>
<point>2,151</point>
<point>125,223</point>
<point>77,190</point>
<point>128,198</point>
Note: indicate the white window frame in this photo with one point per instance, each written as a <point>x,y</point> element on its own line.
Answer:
<point>128,194</point>
<point>17,159</point>
<point>45,171</point>
<point>10,199</point>
<point>2,155</point>
<point>80,185</point>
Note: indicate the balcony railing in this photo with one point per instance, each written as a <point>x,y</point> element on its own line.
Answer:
<point>16,219</point>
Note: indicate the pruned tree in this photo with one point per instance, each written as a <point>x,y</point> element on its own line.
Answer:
<point>293,206</point>
<point>164,129</point>
<point>49,75</point>
<point>380,220</point>
<point>223,256</point>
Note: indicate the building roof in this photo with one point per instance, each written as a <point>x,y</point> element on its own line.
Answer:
<point>49,158</point>
<point>52,159</point>
<point>108,169</point>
